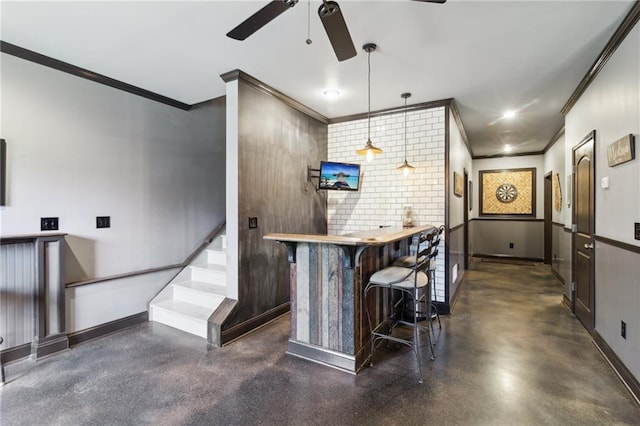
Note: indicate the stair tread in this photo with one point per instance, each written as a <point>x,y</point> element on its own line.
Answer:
<point>211,267</point>
<point>217,244</point>
<point>186,309</point>
<point>203,286</point>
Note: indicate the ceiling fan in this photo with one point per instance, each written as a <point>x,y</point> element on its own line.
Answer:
<point>330,16</point>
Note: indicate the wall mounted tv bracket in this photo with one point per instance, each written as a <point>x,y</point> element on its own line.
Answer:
<point>312,174</point>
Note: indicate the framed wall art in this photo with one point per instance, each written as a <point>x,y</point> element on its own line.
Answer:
<point>510,192</point>
<point>458,185</point>
<point>557,192</point>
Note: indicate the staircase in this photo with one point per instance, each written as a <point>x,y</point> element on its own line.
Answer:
<point>190,299</point>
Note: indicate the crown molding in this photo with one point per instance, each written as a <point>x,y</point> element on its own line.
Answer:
<point>265,88</point>
<point>458,118</point>
<point>616,40</point>
<point>393,110</point>
<point>554,139</point>
<point>47,61</point>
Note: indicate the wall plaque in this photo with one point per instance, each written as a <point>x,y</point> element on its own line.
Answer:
<point>621,151</point>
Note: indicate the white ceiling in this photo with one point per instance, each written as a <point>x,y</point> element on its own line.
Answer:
<point>489,56</point>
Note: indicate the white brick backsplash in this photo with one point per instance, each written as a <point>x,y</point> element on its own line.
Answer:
<point>383,190</point>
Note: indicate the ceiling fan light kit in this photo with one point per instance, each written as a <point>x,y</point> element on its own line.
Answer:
<point>369,150</point>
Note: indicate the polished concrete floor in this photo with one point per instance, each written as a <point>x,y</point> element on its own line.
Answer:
<point>510,354</point>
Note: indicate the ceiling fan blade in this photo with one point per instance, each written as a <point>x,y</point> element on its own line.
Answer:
<point>337,31</point>
<point>432,1</point>
<point>261,18</point>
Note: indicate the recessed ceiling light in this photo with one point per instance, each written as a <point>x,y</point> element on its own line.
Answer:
<point>507,148</point>
<point>331,93</point>
<point>509,114</point>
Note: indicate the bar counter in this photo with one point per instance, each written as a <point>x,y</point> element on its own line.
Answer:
<point>328,274</point>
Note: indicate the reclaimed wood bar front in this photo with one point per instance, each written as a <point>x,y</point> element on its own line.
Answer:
<point>327,278</point>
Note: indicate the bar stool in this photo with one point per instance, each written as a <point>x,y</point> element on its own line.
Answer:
<point>402,283</point>
<point>409,261</point>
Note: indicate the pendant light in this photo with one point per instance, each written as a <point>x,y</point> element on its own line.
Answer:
<point>369,149</point>
<point>405,168</point>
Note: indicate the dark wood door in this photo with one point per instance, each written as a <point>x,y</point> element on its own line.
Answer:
<point>584,219</point>
<point>466,219</point>
<point>548,212</point>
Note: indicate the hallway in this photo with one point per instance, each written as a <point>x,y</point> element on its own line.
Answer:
<point>510,354</point>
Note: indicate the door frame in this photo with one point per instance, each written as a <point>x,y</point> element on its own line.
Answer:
<point>465,207</point>
<point>548,217</point>
<point>591,136</point>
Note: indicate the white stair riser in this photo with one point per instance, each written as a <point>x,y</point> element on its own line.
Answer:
<point>196,297</point>
<point>208,276</point>
<point>216,257</point>
<point>179,321</point>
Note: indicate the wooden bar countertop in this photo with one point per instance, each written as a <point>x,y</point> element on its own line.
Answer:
<point>372,237</point>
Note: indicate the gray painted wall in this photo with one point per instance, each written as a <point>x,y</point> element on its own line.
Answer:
<point>492,237</point>
<point>617,299</point>
<point>275,144</point>
<point>611,107</point>
<point>459,161</point>
<point>77,149</point>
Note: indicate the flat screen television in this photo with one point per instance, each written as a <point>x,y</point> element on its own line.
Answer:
<point>339,176</point>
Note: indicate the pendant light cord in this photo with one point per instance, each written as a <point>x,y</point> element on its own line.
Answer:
<point>405,130</point>
<point>308,20</point>
<point>369,96</point>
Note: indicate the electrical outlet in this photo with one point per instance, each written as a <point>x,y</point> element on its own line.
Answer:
<point>510,245</point>
<point>253,222</point>
<point>636,232</point>
<point>48,223</point>
<point>623,329</point>
<point>103,222</point>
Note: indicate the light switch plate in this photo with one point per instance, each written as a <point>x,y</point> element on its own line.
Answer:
<point>48,223</point>
<point>604,182</point>
<point>103,222</point>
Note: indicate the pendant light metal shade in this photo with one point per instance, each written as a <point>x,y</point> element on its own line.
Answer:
<point>369,150</point>
<point>405,168</point>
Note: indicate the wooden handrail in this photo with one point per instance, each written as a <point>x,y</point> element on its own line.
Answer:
<point>185,263</point>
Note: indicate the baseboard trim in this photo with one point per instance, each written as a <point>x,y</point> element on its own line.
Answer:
<point>239,330</point>
<point>557,275</point>
<point>567,302</point>
<point>630,382</point>
<point>15,354</point>
<point>49,345</point>
<point>506,256</point>
<point>444,308</point>
<point>102,330</point>
<point>323,356</point>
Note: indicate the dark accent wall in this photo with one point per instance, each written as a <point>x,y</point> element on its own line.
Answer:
<point>276,143</point>
<point>491,237</point>
<point>456,257</point>
<point>561,255</point>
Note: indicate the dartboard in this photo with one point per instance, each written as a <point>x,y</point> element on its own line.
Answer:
<point>506,193</point>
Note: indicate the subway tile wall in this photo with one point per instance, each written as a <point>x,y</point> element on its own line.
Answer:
<point>383,190</point>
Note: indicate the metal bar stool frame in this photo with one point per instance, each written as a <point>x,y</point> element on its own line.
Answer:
<point>432,279</point>
<point>404,282</point>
